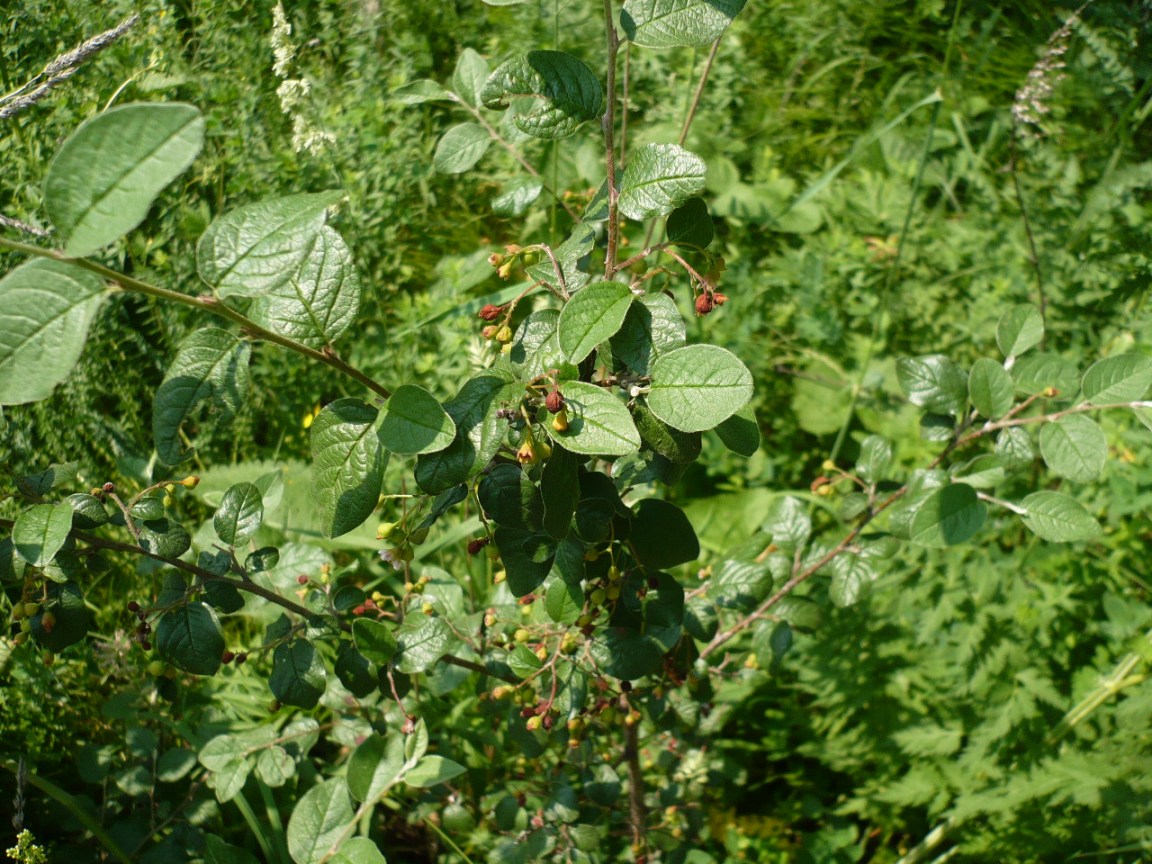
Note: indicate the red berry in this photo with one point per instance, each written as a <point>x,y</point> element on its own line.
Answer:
<point>133,606</point>
<point>476,545</point>
<point>704,304</point>
<point>720,299</point>
<point>302,579</point>
<point>491,313</point>
<point>227,657</point>
<point>109,488</point>
<point>146,645</point>
<point>554,402</point>
<point>240,658</point>
<point>625,686</point>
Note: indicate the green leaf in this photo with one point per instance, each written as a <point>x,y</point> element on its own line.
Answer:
<point>479,433</point>
<point>211,366</point>
<point>432,771</point>
<point>518,196</point>
<point>740,433</point>
<point>1058,518</point>
<point>1125,378</point>
<point>319,301</point>
<point>348,463</point>
<point>66,603</point>
<point>658,179</point>
<point>422,641</point>
<point>527,557</point>
<point>594,313</point>
<point>510,498</point>
<point>240,513</point>
<point>653,326</point>
<point>990,388</point>
<point>875,458</point>
<point>40,532</point>
<point>46,308</point>
<point>469,77</point>
<point>598,422</point>
<point>164,537</point>
<point>680,448</point>
<point>189,637</point>
<point>690,225</point>
<point>560,491</point>
<point>257,248</point>
<point>216,851</point>
<point>321,818</point>
<point>788,523</point>
<point>1037,372</point>
<point>1014,446</point>
<point>87,511</point>
<point>673,23</point>
<point>697,387</point>
<point>422,90</point>
<point>1020,328</point>
<point>563,601</point>
<point>561,93</point>
<point>42,482</point>
<point>947,516</point>
<point>374,640</point>
<point>375,766</point>
<point>104,178</point>
<point>1074,447</point>
<point>662,536</point>
<point>851,576</point>
<point>358,850</point>
<point>634,643</point>
<point>460,148</point>
<point>298,676</point>
<point>414,422</point>
<point>934,383</point>
<point>572,256</point>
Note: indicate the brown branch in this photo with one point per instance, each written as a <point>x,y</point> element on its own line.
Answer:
<point>608,123</point>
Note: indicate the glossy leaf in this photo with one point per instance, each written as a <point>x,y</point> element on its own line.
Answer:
<point>320,819</point>
<point>240,513</point>
<point>479,433</point>
<point>257,248</point>
<point>318,302</point>
<point>1125,378</point>
<point>676,23</point>
<point>421,642</point>
<point>40,532</point>
<point>690,225</point>
<point>87,511</point>
<point>594,313</point>
<point>1058,518</point>
<point>164,537</point>
<point>105,177</point>
<point>414,422</point>
<point>1074,447</point>
<point>741,432</point>
<point>298,675</point>
<point>189,637</point>
<point>348,463</point>
<point>875,458</point>
<point>697,387</point>
<point>561,93</point>
<point>375,766</point>
<point>598,422</point>
<point>658,179</point>
<point>681,448</point>
<point>374,640</point>
<point>653,326</point>
<point>934,383</point>
<point>460,148</point>
<point>662,537</point>
<point>990,388</point>
<point>1019,329</point>
<point>788,523</point>
<point>431,771</point>
<point>211,366</point>
<point>46,308</point>
<point>42,482</point>
<point>510,498</point>
<point>947,516</point>
<point>469,77</point>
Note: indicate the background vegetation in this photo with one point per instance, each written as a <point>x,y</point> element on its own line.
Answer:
<point>985,702</point>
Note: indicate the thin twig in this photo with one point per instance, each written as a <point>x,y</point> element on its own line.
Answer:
<point>61,69</point>
<point>8,222</point>
<point>608,123</point>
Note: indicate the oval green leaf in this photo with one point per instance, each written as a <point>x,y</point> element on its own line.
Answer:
<point>690,225</point>
<point>948,516</point>
<point>1057,518</point>
<point>658,179</point>
<point>990,388</point>
<point>321,818</point>
<point>594,313</point>
<point>46,308</point>
<point>561,93</point>
<point>1074,447</point>
<point>189,637</point>
<point>1019,329</point>
<point>431,771</point>
<point>298,675</point>
<point>1125,378</point>
<point>104,178</point>
<point>211,365</point>
<point>414,422</point>
<point>662,536</point>
<point>254,249</point>
<point>374,640</point>
<point>348,464</point>
<point>697,387</point>
<point>460,148</point>
<point>677,23</point>
<point>240,513</point>
<point>935,383</point>
<point>317,303</point>
<point>40,532</point>
<point>598,422</point>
